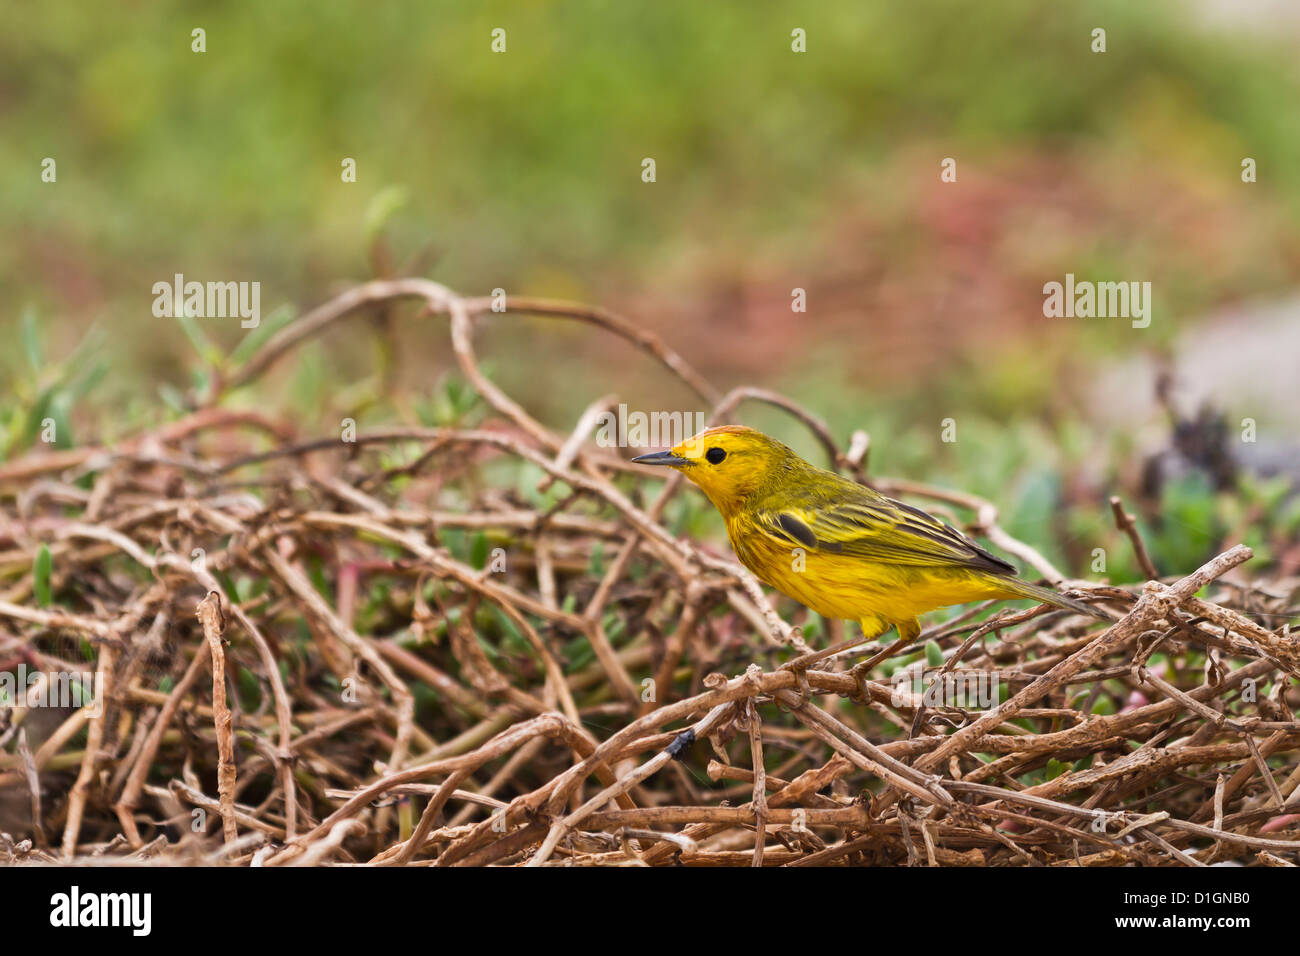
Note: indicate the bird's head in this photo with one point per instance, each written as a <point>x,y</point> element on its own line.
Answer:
<point>729,463</point>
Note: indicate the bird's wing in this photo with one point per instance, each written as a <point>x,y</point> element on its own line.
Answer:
<point>878,529</point>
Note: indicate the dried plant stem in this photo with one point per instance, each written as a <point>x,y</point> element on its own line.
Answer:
<point>382,661</point>
<point>214,625</point>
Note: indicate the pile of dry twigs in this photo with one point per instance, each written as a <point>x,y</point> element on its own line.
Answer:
<point>291,654</point>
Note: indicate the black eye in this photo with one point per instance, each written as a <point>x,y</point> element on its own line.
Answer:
<point>714,455</point>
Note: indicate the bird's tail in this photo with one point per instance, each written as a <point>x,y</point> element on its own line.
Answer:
<point>1024,589</point>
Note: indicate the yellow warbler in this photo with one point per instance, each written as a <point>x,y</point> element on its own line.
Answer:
<point>837,546</point>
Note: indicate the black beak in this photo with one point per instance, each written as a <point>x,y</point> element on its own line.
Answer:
<point>660,458</point>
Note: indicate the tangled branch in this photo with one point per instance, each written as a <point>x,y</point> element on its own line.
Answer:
<point>555,709</point>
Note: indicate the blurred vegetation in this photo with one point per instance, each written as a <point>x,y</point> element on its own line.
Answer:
<point>774,170</point>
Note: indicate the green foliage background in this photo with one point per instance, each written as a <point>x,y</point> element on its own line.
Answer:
<point>522,171</point>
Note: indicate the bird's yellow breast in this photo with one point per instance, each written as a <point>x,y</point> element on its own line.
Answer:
<point>840,586</point>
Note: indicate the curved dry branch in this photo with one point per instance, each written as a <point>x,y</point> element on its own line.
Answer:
<point>533,710</point>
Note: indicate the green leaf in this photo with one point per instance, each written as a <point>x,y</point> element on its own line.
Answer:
<point>42,567</point>
<point>172,397</point>
<point>82,695</point>
<point>59,408</point>
<point>479,551</point>
<point>250,690</point>
<point>386,203</point>
<point>198,338</point>
<point>933,654</point>
<point>1104,706</point>
<point>84,383</point>
<point>253,341</point>
<point>31,339</point>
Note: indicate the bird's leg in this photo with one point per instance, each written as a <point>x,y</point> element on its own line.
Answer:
<point>801,664</point>
<point>908,631</point>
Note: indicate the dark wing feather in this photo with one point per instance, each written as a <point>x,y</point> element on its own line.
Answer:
<point>875,528</point>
